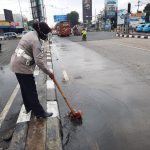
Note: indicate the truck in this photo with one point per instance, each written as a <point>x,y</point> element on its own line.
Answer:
<point>63,28</point>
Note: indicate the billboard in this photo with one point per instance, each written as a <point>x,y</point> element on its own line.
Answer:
<point>121,16</point>
<point>58,18</point>
<point>111,7</point>
<point>87,10</point>
<point>8,15</point>
<point>111,2</point>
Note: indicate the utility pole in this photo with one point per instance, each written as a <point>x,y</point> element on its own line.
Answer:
<point>127,18</point>
<point>21,13</point>
<point>138,5</point>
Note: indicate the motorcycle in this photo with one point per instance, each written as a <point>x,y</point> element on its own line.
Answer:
<point>84,37</point>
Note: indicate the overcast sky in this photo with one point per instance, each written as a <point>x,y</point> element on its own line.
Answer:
<point>58,7</point>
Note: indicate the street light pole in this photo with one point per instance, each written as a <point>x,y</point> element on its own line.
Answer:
<point>21,13</point>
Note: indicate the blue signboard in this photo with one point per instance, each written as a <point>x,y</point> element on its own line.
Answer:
<point>58,18</point>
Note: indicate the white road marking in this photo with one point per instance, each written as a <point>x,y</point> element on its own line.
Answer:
<point>52,106</point>
<point>8,105</point>
<point>48,57</point>
<point>65,76</point>
<point>134,47</point>
<point>23,116</point>
<point>49,63</point>
<point>50,84</point>
<point>136,36</point>
<point>36,72</point>
<point>48,54</point>
<point>148,37</point>
<point>142,37</point>
<point>52,70</point>
<point>130,35</point>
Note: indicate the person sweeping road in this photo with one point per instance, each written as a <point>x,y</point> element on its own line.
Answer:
<point>27,55</point>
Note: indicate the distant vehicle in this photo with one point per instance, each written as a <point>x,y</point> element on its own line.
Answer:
<point>23,33</point>
<point>10,35</point>
<point>76,30</point>
<point>63,28</point>
<point>140,27</point>
<point>1,37</point>
<point>146,27</point>
<point>54,32</point>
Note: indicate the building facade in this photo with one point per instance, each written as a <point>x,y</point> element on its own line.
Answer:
<point>87,11</point>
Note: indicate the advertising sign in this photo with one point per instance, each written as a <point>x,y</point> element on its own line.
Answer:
<point>59,18</point>
<point>134,21</point>
<point>111,2</point>
<point>87,10</point>
<point>14,23</point>
<point>121,16</point>
<point>111,8</point>
<point>8,15</point>
<point>4,23</point>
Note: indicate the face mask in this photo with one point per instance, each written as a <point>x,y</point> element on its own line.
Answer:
<point>43,36</point>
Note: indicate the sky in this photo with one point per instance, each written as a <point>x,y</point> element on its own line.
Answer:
<point>62,7</point>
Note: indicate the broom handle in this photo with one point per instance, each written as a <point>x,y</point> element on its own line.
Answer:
<point>62,93</point>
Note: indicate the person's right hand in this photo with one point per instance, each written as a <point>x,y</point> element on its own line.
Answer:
<point>51,75</point>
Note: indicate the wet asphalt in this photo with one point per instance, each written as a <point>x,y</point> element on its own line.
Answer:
<point>7,78</point>
<point>112,95</point>
<point>8,83</point>
<point>108,82</point>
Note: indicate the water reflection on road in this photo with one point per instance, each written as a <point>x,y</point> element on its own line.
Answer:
<point>114,100</point>
<point>7,84</point>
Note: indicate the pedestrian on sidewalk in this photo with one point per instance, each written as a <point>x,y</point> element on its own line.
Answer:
<point>27,55</point>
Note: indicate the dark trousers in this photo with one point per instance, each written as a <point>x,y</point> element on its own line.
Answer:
<point>29,93</point>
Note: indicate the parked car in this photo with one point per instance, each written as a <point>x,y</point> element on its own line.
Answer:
<point>1,37</point>
<point>23,33</point>
<point>10,35</point>
<point>146,27</point>
<point>140,27</point>
<point>54,32</point>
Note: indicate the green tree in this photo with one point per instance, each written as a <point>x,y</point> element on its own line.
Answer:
<point>30,23</point>
<point>147,11</point>
<point>73,17</point>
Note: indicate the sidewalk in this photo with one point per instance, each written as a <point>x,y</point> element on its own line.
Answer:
<point>39,134</point>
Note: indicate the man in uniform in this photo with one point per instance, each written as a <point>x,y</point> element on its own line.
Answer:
<point>27,55</point>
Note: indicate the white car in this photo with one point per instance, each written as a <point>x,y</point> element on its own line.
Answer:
<point>10,35</point>
<point>1,37</point>
<point>23,33</point>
